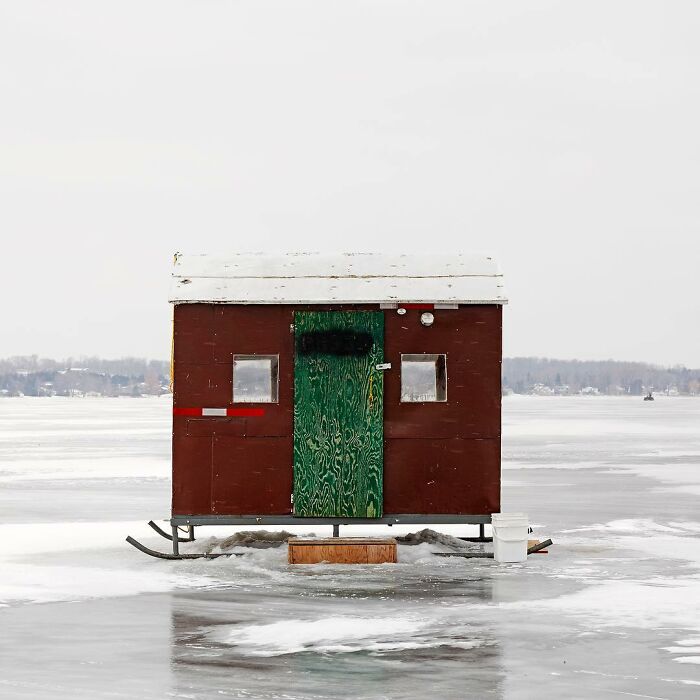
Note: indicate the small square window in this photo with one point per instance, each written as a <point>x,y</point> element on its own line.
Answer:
<point>423,378</point>
<point>255,378</point>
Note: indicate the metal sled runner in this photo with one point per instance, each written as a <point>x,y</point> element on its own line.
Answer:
<point>176,539</point>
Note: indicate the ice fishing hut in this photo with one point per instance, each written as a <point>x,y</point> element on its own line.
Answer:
<point>348,388</point>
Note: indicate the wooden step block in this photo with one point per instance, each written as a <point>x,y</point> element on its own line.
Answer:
<point>342,550</point>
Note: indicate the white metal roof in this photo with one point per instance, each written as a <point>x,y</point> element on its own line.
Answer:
<point>352,278</point>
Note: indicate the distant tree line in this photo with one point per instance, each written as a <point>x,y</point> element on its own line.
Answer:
<point>539,375</point>
<point>133,376</point>
<point>86,376</point>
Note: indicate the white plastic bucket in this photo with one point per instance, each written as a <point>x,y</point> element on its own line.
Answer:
<point>509,536</point>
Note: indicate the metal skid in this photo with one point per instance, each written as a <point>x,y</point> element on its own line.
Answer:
<point>177,555</point>
<point>177,522</point>
<point>163,533</point>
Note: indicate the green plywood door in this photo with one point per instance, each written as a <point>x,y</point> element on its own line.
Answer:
<point>338,413</point>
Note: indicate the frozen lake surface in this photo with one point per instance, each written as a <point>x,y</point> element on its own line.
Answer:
<point>612,611</point>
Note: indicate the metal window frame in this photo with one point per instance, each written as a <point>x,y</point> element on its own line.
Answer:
<point>423,354</point>
<point>274,368</point>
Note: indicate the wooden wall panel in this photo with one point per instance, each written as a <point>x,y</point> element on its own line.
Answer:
<point>209,427</point>
<point>254,426</point>
<point>247,330</point>
<point>442,476</point>
<point>423,442</point>
<point>478,392</point>
<point>192,333</point>
<point>202,385</point>
<point>252,475</point>
<point>192,469</point>
<point>239,330</point>
<point>470,337</point>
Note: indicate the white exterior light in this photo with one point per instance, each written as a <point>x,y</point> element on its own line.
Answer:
<point>427,318</point>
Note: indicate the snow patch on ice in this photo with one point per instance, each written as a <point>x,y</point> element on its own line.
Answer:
<point>687,526</point>
<point>35,538</point>
<point>587,427</point>
<point>79,469</point>
<point>42,579</point>
<point>688,642</point>
<point>424,554</point>
<point>685,647</point>
<point>43,584</point>
<point>664,547</point>
<point>323,635</point>
<point>632,525</point>
<point>677,540</point>
<point>648,604</point>
<point>333,635</point>
<point>571,465</point>
<point>681,478</point>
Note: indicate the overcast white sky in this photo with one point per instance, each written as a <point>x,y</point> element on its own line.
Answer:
<point>562,136</point>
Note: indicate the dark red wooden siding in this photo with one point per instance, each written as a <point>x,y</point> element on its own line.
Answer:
<point>438,457</point>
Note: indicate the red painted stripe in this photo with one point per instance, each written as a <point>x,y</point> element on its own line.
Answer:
<point>418,306</point>
<point>245,411</point>
<point>187,411</point>
<point>229,412</point>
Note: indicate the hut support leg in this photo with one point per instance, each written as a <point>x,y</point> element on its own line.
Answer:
<point>481,538</point>
<point>336,530</point>
<point>176,541</point>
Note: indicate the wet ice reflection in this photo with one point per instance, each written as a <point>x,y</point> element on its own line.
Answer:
<point>331,631</point>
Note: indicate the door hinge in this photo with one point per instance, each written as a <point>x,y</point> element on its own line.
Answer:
<point>383,366</point>
<point>291,498</point>
<point>291,328</point>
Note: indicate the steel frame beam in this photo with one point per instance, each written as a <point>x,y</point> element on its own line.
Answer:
<point>401,519</point>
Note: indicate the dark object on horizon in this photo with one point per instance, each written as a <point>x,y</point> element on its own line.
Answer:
<point>649,397</point>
